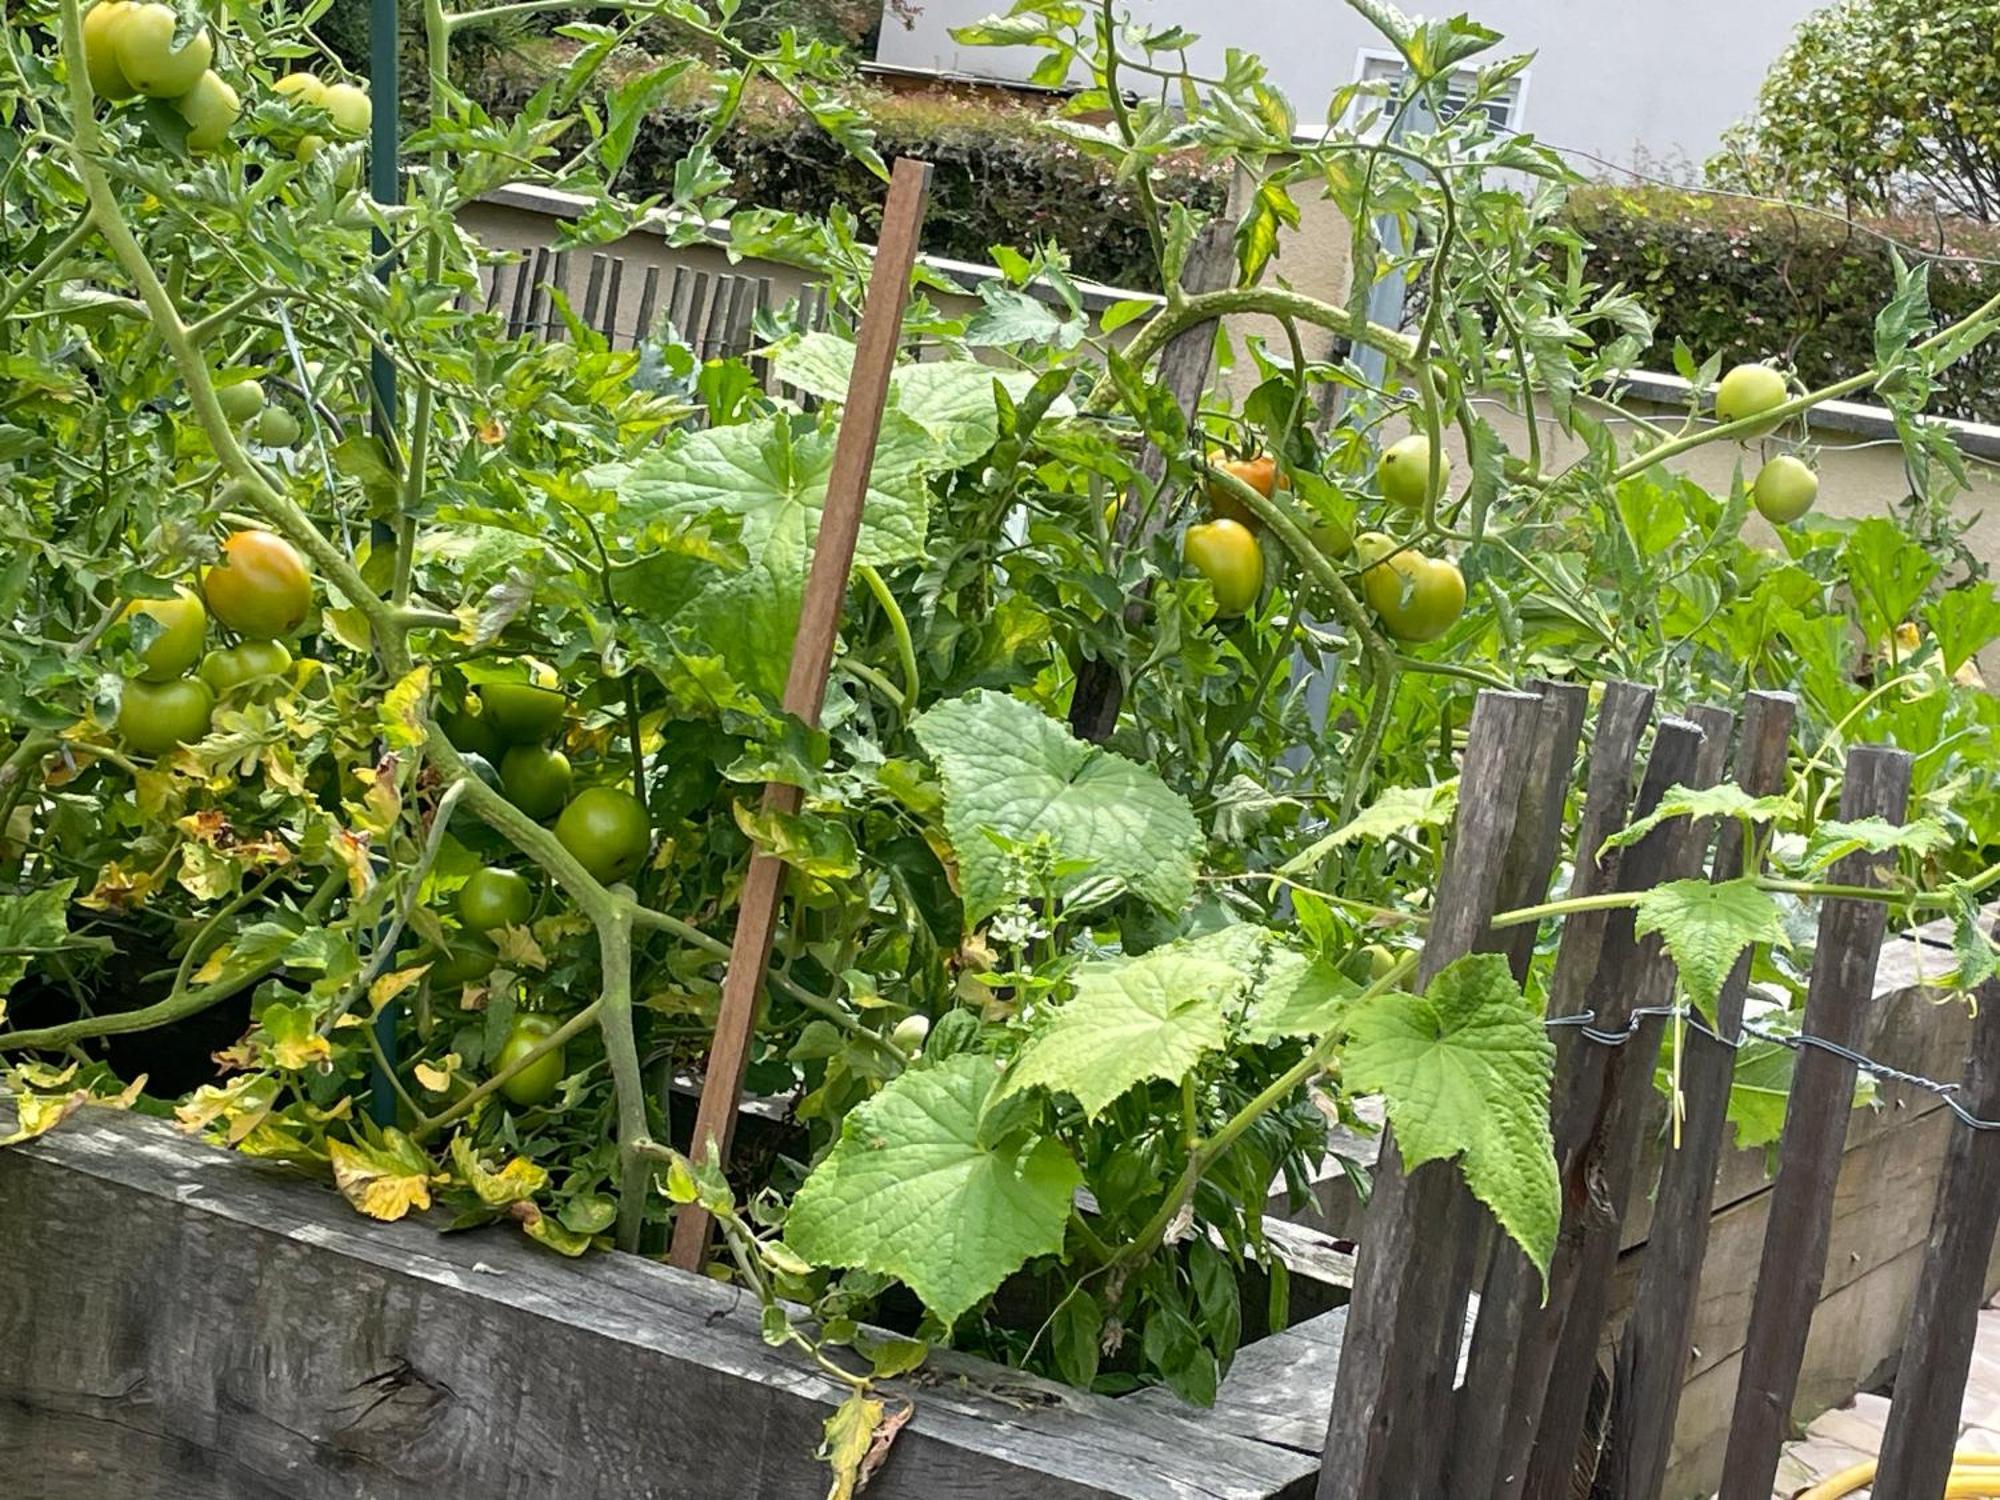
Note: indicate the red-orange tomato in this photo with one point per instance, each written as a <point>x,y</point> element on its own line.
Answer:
<point>261,588</point>
<point>1260,473</point>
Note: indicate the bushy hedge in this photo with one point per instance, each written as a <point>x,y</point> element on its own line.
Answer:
<point>998,180</point>
<point>1753,280</point>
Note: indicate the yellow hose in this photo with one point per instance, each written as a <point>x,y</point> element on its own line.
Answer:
<point>1974,1476</point>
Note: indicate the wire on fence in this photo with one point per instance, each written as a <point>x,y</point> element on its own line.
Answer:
<point>1581,1023</point>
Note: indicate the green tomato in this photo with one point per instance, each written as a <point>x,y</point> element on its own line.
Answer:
<point>1227,555</point>
<point>302,88</point>
<point>1785,490</point>
<point>143,43</point>
<point>100,50</point>
<point>605,828</point>
<point>910,1034</point>
<point>1417,597</point>
<point>520,713</point>
<point>493,898</point>
<point>1748,391</point>
<point>349,107</point>
<point>183,628</point>
<point>469,959</point>
<point>154,717</point>
<point>241,401</point>
<point>1404,471</point>
<point>535,780</point>
<point>536,1083</point>
<point>210,108</point>
<point>231,667</point>
<point>1367,964</point>
<point>277,428</point>
<point>471,733</point>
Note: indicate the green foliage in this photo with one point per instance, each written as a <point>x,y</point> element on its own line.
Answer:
<point>1876,103</point>
<point>1016,779</point>
<point>1706,928</point>
<point>1741,281</point>
<point>1001,176</point>
<point>1467,1069</point>
<point>915,1189</point>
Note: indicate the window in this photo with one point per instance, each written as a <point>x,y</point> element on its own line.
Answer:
<point>1502,111</point>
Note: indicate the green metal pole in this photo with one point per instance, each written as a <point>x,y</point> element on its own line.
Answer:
<point>386,186</point>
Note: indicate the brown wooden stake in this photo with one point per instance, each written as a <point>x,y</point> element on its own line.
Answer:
<point>1653,1354</point>
<point>1822,1098</point>
<point>812,658</point>
<point>1937,1350</point>
<point>1401,1283</point>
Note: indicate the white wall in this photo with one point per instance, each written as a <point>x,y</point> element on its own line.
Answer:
<point>1632,81</point>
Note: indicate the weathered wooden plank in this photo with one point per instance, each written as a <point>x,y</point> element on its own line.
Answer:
<point>1652,1355</point>
<point>1183,373</point>
<point>812,657</point>
<point>1380,1423</point>
<point>649,291</point>
<point>1491,1437</point>
<point>1877,784</point>
<point>306,1353</point>
<point>1597,1136</point>
<point>593,288</point>
<point>1937,1351</point>
<point>612,286</point>
<point>1525,873</point>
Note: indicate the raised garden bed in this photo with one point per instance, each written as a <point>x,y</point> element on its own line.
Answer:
<point>184,1322</point>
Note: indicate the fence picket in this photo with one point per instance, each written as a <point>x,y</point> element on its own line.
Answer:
<point>1937,1349</point>
<point>1598,1129</point>
<point>1794,1260</point>
<point>1493,1432</point>
<point>1653,1354</point>
<point>1379,1419</point>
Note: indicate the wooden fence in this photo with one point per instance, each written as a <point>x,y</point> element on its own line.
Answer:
<point>1528,1407</point>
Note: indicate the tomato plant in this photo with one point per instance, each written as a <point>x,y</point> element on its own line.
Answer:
<point>1123,819</point>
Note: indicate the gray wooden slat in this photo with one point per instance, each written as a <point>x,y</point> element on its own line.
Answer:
<point>688,323</point>
<point>1492,1437</point>
<point>715,334</point>
<point>612,287</point>
<point>1599,1158</point>
<point>1524,881</point>
<point>649,290</point>
<point>538,291</point>
<point>1654,1350</point>
<point>1183,372</point>
<point>1794,1262</point>
<point>736,323</point>
<point>1937,1350</point>
<point>524,281</point>
<point>496,286</point>
<point>593,289</point>
<point>554,327</point>
<point>1379,1420</point>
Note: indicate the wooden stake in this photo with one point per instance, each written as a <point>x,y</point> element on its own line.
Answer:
<point>812,658</point>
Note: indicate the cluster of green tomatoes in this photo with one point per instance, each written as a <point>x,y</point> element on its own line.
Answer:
<point>135,48</point>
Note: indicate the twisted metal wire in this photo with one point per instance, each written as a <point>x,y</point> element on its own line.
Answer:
<point>1583,1024</point>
